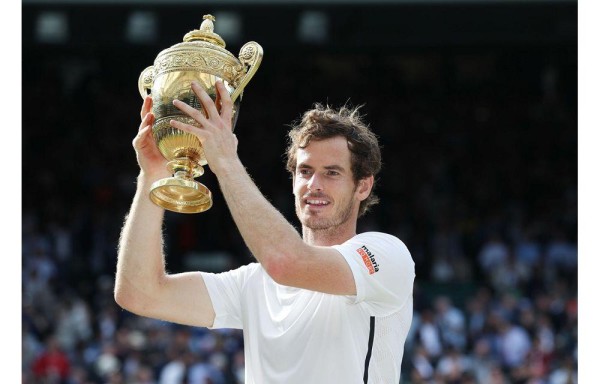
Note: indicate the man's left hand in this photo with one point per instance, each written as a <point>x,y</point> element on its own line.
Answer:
<point>215,130</point>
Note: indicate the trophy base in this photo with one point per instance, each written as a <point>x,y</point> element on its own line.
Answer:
<point>181,195</point>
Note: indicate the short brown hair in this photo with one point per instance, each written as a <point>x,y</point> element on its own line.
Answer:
<point>324,122</point>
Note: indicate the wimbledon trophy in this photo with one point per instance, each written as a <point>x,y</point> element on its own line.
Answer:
<point>201,57</point>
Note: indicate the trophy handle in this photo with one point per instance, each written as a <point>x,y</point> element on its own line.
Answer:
<point>146,81</point>
<point>250,56</point>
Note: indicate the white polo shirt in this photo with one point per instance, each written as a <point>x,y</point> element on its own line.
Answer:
<point>293,335</point>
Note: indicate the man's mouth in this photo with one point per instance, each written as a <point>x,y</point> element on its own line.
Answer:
<point>316,202</point>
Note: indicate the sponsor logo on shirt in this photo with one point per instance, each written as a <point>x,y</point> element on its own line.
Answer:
<point>368,259</point>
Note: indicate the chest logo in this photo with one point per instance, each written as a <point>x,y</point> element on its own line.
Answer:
<point>368,259</point>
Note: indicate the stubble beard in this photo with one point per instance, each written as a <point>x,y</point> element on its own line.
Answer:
<point>326,224</point>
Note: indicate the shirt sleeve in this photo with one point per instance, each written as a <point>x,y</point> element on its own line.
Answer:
<point>225,290</point>
<point>383,270</point>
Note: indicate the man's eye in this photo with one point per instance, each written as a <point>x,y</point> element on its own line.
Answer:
<point>304,171</point>
<point>333,173</point>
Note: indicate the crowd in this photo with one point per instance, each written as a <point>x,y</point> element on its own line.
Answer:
<point>479,180</point>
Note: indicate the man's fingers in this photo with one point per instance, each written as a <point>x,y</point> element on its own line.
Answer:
<point>207,103</point>
<point>190,111</point>
<point>188,128</point>
<point>140,137</point>
<point>146,106</point>
<point>147,120</point>
<point>226,103</point>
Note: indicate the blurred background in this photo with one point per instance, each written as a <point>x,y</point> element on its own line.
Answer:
<point>475,103</point>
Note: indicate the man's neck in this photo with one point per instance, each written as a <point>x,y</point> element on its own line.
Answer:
<point>328,237</point>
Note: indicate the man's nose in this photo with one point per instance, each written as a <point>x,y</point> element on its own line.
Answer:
<point>314,184</point>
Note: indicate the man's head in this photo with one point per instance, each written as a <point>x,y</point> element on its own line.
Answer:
<point>324,122</point>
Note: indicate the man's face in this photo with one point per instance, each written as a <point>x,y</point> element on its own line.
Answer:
<point>324,189</point>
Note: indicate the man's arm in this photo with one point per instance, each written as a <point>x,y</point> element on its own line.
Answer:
<point>270,237</point>
<point>277,244</point>
<point>142,285</point>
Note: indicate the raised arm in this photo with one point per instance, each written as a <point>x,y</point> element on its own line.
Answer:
<point>276,243</point>
<point>142,285</point>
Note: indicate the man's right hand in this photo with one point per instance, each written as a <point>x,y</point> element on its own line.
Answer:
<point>152,163</point>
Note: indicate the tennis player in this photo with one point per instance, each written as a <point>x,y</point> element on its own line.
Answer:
<point>328,306</point>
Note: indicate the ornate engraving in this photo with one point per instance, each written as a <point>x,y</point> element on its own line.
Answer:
<point>247,52</point>
<point>148,78</point>
<point>215,64</point>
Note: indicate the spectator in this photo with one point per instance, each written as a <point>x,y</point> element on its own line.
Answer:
<point>429,335</point>
<point>202,372</point>
<point>515,343</point>
<point>565,373</point>
<point>562,254</point>
<point>52,365</point>
<point>174,371</point>
<point>483,362</point>
<point>451,322</point>
<point>422,370</point>
<point>493,254</point>
<point>452,366</point>
<point>527,250</point>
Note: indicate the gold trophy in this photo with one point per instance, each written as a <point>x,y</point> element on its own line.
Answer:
<point>201,57</point>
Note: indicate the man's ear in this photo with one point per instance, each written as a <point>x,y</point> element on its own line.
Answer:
<point>365,186</point>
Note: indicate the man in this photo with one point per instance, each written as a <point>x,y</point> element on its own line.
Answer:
<point>328,307</point>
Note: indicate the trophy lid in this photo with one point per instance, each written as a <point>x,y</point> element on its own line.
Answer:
<point>205,33</point>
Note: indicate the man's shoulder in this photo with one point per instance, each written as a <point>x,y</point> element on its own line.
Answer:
<point>382,243</point>
<point>374,236</point>
<point>377,234</point>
